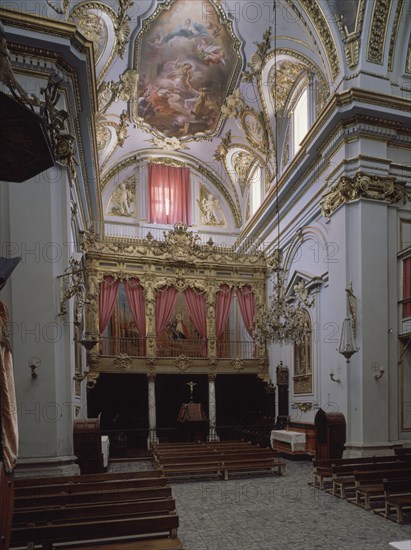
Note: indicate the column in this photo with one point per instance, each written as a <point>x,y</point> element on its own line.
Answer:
<point>212,434</point>
<point>152,435</point>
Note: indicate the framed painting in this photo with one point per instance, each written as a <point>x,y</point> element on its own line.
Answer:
<point>188,61</point>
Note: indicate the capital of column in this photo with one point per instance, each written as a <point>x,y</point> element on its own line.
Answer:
<point>151,376</point>
<point>212,377</point>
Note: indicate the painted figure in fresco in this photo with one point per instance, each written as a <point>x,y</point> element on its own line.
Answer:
<point>180,330</point>
<point>210,54</point>
<point>189,30</point>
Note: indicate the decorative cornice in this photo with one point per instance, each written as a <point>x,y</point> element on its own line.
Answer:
<point>378,31</point>
<point>363,186</point>
<point>167,161</point>
<point>321,25</point>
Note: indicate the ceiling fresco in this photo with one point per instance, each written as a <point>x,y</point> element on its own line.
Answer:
<point>187,58</point>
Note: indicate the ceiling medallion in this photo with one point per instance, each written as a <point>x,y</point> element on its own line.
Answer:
<point>188,60</point>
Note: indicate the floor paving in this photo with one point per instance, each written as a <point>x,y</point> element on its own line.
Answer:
<point>274,513</point>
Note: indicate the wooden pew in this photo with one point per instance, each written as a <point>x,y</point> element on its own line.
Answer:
<point>402,451</point>
<point>92,497</point>
<point>343,475</point>
<point>75,513</point>
<point>369,485</point>
<point>187,459</point>
<point>397,496</point>
<point>38,481</point>
<point>107,530</point>
<point>322,469</point>
<point>223,466</point>
<point>146,544</point>
<point>69,488</point>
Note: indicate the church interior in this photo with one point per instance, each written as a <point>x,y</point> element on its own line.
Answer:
<point>205,274</point>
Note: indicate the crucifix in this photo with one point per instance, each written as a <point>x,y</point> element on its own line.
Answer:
<point>191,385</point>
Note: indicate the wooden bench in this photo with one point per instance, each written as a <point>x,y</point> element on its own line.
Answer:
<point>369,485</point>
<point>69,488</point>
<point>75,513</point>
<point>212,457</point>
<point>343,475</point>
<point>224,466</point>
<point>107,530</point>
<point>397,496</point>
<point>402,451</point>
<point>116,476</point>
<point>146,544</point>
<point>322,468</point>
<point>92,497</point>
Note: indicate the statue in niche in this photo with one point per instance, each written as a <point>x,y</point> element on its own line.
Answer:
<point>210,209</point>
<point>122,200</point>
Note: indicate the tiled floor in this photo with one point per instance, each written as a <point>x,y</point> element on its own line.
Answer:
<point>273,513</point>
<point>276,513</point>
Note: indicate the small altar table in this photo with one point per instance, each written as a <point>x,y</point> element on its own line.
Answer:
<point>283,439</point>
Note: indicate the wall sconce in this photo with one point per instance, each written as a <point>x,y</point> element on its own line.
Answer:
<point>380,374</point>
<point>89,341</point>
<point>334,379</point>
<point>79,377</point>
<point>34,363</point>
<point>379,371</point>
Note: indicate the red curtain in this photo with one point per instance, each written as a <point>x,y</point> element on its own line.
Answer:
<point>246,301</point>
<point>406,287</point>
<point>107,300</point>
<point>135,297</point>
<point>169,194</point>
<point>222,309</point>
<point>165,303</point>
<point>196,306</point>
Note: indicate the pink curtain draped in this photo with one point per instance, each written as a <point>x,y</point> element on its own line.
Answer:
<point>406,287</point>
<point>135,297</point>
<point>246,301</point>
<point>165,303</point>
<point>197,309</point>
<point>222,309</point>
<point>169,194</point>
<point>196,305</point>
<point>107,299</point>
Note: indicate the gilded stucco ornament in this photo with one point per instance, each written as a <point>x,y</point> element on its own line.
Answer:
<point>378,30</point>
<point>255,129</point>
<point>210,208</point>
<point>122,361</point>
<point>282,77</point>
<point>237,363</point>
<point>363,186</point>
<point>222,149</point>
<point>182,362</point>
<point>56,121</point>
<point>243,162</point>
<point>103,136</point>
<point>121,26</point>
<point>304,406</point>
<point>168,143</point>
<point>258,58</point>
<point>234,105</point>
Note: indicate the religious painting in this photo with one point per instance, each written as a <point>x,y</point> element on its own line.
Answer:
<point>188,61</point>
<point>180,336</point>
<point>302,378</point>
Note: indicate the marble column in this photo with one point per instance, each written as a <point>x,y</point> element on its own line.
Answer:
<point>152,435</point>
<point>212,434</point>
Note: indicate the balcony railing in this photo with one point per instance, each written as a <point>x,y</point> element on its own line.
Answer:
<point>165,347</point>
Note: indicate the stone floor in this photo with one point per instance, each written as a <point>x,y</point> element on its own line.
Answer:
<point>274,513</point>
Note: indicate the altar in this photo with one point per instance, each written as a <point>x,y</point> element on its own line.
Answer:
<point>287,441</point>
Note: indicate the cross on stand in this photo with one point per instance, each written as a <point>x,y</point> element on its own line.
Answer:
<point>191,385</point>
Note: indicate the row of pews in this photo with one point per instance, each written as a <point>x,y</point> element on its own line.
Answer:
<point>112,511</point>
<point>380,483</point>
<point>178,460</point>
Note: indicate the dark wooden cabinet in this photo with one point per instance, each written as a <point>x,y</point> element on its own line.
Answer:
<point>330,434</point>
<point>87,445</point>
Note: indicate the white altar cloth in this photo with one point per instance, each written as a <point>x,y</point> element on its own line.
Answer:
<point>295,439</point>
<point>105,446</point>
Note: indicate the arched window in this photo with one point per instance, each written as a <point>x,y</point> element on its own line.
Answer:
<point>256,193</point>
<point>300,120</point>
<point>302,378</point>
